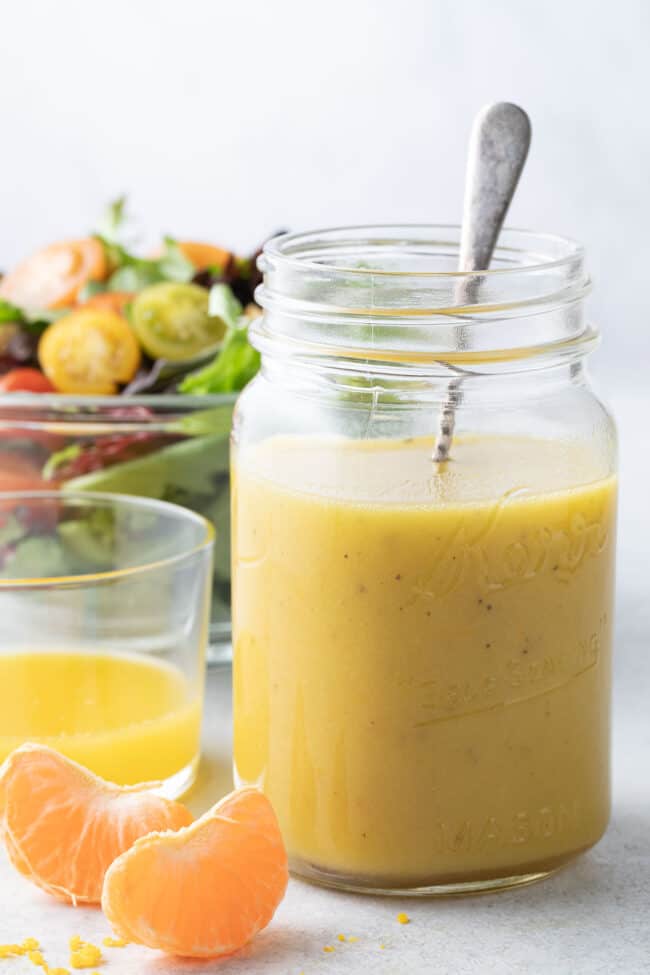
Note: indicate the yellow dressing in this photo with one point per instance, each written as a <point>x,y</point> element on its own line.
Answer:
<point>422,657</point>
<point>127,718</point>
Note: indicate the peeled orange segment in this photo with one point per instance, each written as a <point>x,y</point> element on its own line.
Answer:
<point>54,276</point>
<point>205,890</point>
<point>63,826</point>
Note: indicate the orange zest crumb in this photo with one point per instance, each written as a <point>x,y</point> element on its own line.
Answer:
<point>10,951</point>
<point>31,949</point>
<point>114,942</point>
<point>328,948</point>
<point>83,954</point>
<point>352,938</point>
<point>382,947</point>
<point>341,937</point>
<point>403,918</point>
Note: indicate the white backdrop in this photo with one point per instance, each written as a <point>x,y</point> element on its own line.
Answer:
<point>227,120</point>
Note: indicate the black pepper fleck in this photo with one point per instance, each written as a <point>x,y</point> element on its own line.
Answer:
<point>489,606</point>
<point>398,577</point>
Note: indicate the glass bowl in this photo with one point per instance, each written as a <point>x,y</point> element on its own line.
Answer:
<point>169,447</point>
<point>105,605</point>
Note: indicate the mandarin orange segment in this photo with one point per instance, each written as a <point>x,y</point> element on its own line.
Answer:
<point>63,826</point>
<point>206,890</point>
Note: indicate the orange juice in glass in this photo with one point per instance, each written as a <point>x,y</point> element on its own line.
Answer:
<point>105,602</point>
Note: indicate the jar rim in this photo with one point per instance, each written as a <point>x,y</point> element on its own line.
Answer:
<point>290,247</point>
<point>393,293</point>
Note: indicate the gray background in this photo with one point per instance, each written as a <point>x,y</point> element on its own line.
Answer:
<point>229,119</point>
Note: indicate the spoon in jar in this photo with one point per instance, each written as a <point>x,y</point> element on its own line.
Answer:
<point>497,152</point>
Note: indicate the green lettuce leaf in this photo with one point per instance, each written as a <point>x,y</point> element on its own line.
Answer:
<point>234,366</point>
<point>9,312</point>
<point>224,305</point>
<point>31,320</point>
<point>133,273</point>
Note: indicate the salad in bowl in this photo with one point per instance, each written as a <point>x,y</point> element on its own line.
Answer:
<point>118,374</point>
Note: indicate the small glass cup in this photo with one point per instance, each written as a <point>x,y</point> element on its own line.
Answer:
<point>105,609</point>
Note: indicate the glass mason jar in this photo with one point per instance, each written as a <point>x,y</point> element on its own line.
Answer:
<point>422,650</point>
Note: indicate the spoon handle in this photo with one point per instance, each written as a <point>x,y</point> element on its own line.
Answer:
<point>498,149</point>
<point>497,152</point>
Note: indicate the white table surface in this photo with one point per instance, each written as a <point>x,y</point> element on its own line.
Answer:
<point>594,917</point>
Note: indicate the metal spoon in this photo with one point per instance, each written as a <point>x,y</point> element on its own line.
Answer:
<point>497,152</point>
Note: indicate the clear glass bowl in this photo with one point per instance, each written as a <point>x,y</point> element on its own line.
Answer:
<point>168,447</point>
<point>105,604</point>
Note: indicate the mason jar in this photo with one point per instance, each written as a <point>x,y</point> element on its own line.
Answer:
<point>422,641</point>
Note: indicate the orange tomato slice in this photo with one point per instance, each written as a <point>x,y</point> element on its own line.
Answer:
<point>115,301</point>
<point>89,352</point>
<point>53,276</point>
<point>203,255</point>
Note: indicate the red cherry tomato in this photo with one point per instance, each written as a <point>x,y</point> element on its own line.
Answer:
<point>25,380</point>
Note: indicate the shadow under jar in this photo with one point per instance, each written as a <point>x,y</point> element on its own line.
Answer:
<point>422,653</point>
<point>168,447</point>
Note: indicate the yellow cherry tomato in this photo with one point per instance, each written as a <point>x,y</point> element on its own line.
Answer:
<point>89,351</point>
